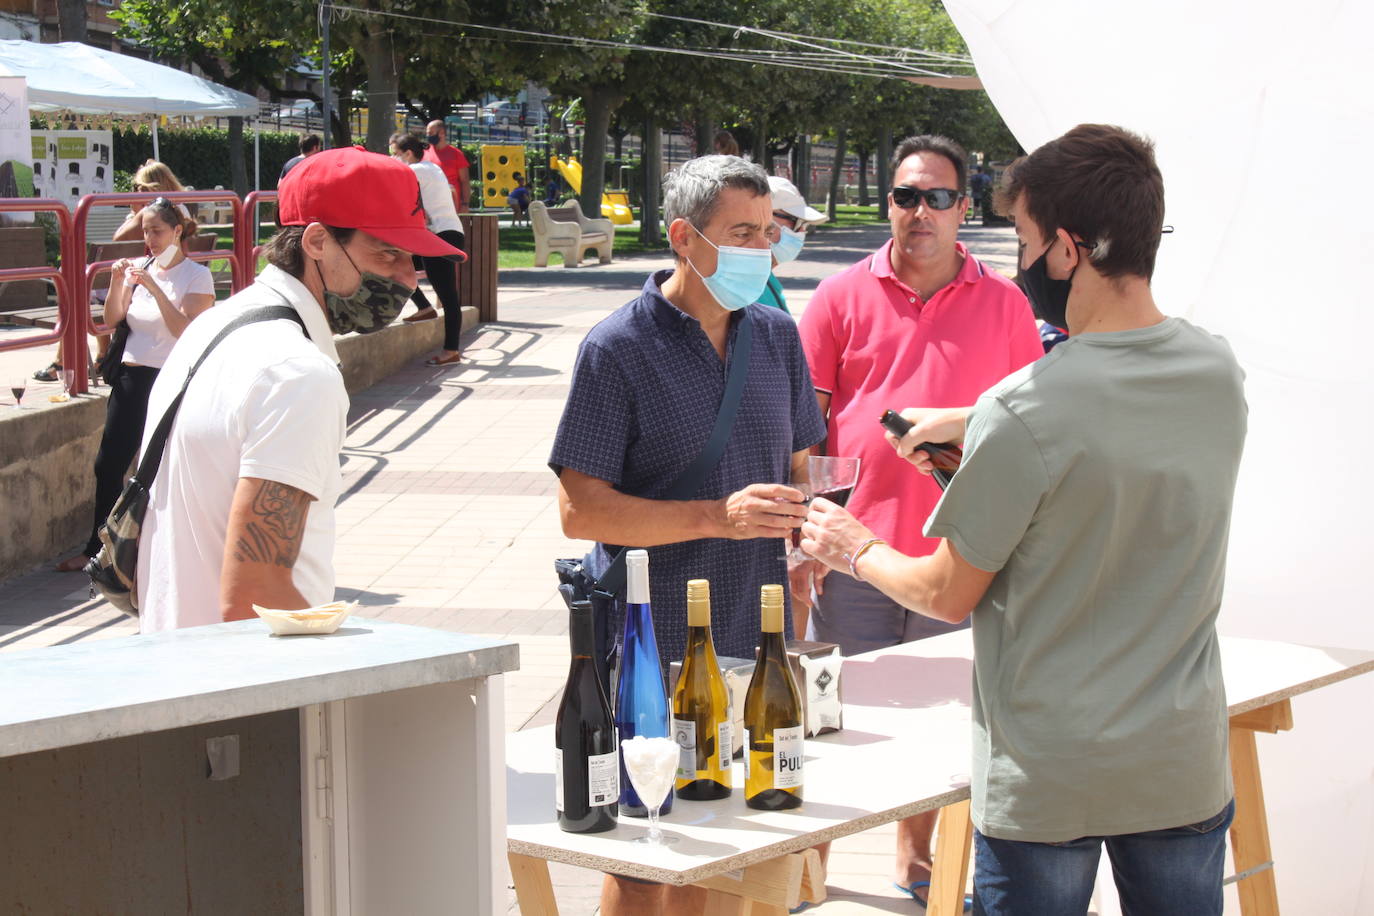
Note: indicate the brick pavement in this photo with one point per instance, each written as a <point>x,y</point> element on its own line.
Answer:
<point>449,515</point>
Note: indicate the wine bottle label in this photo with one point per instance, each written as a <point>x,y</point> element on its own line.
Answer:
<point>603,779</point>
<point>558,779</point>
<point>787,757</point>
<point>727,731</point>
<point>685,733</point>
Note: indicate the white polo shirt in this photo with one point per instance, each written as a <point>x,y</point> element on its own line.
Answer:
<point>267,403</point>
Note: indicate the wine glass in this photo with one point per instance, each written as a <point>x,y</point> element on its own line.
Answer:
<point>792,551</point>
<point>68,381</point>
<point>652,765</point>
<point>17,386</point>
<point>833,477</point>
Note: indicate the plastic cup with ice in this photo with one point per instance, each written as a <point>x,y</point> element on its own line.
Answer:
<point>651,764</point>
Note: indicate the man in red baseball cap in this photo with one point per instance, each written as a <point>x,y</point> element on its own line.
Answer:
<point>242,508</point>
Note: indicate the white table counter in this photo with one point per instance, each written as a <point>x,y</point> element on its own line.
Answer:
<point>353,772</point>
<point>905,748</point>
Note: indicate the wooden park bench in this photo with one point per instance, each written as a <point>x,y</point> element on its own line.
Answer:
<point>566,231</point>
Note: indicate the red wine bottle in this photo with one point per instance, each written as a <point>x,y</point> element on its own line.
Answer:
<point>587,773</point>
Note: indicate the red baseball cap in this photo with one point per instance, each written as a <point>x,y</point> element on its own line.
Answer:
<point>352,188</point>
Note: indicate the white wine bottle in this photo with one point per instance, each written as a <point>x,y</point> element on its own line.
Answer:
<point>701,707</point>
<point>773,726</point>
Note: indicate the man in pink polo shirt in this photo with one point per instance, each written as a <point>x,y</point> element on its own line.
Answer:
<point>920,322</point>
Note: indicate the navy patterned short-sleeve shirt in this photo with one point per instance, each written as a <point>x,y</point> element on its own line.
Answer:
<point>646,389</point>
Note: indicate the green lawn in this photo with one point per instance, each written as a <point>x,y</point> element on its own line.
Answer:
<point>517,242</point>
<point>517,245</point>
<point>853,216</point>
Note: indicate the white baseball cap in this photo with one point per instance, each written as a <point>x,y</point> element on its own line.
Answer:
<point>788,199</point>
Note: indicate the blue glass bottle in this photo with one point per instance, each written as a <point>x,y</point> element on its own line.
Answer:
<point>641,695</point>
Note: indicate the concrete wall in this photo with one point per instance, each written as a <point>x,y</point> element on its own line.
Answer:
<point>47,488</point>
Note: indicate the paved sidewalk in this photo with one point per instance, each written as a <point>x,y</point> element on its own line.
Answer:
<point>449,515</point>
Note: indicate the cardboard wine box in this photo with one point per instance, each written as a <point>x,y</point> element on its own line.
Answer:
<point>738,671</point>
<point>819,683</point>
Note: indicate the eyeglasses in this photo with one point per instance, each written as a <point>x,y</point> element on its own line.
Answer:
<point>787,220</point>
<point>935,198</point>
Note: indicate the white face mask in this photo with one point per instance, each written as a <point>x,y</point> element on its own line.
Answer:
<point>167,255</point>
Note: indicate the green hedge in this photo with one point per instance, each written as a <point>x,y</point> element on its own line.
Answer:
<point>200,156</point>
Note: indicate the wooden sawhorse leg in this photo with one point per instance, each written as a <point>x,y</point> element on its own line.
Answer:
<point>1250,829</point>
<point>954,837</point>
<point>767,889</point>
<point>533,887</point>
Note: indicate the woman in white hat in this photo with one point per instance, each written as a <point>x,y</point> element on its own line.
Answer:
<point>792,217</point>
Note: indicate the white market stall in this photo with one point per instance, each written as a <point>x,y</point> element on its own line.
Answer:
<point>1263,122</point>
<point>78,78</point>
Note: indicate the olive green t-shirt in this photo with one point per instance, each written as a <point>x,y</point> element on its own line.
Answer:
<point>1097,485</point>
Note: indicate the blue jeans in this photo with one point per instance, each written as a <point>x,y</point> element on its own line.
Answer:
<point>1173,872</point>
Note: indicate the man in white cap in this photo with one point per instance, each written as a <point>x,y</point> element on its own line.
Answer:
<point>792,217</point>
<point>242,508</point>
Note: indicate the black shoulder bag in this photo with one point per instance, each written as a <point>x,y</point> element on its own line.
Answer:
<point>577,586</point>
<point>115,569</point>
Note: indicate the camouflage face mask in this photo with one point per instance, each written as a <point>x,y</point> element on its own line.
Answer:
<point>372,306</point>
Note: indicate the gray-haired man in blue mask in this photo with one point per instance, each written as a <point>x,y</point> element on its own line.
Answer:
<point>646,393</point>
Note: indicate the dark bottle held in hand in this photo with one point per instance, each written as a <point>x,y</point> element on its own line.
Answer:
<point>641,699</point>
<point>943,455</point>
<point>587,774</point>
<point>773,728</point>
<point>702,723</point>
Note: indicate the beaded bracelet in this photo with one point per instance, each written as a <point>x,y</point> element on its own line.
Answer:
<point>854,557</point>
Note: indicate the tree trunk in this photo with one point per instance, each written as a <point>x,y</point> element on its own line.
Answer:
<point>238,167</point>
<point>383,85</point>
<point>71,20</point>
<point>801,157</point>
<point>837,171</point>
<point>763,150</point>
<point>884,153</point>
<point>598,104</point>
<point>864,199</point>
<point>704,131</point>
<point>652,151</point>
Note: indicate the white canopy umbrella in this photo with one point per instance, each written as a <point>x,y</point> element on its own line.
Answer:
<point>70,76</point>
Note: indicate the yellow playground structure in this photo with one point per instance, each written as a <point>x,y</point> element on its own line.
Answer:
<point>615,205</point>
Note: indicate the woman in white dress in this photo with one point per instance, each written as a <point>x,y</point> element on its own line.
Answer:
<point>441,218</point>
<point>156,297</point>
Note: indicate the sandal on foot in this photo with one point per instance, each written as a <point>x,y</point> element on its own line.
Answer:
<point>74,564</point>
<point>435,361</point>
<point>910,891</point>
<point>422,315</point>
<point>51,373</point>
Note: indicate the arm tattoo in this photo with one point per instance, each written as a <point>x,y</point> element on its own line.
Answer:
<point>275,527</point>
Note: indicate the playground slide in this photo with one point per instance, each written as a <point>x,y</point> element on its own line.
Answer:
<point>615,205</point>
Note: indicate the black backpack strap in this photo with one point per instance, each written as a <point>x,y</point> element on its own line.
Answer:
<point>152,458</point>
<point>691,479</point>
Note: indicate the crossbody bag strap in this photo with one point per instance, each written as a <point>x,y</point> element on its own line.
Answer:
<point>691,479</point>
<point>157,444</point>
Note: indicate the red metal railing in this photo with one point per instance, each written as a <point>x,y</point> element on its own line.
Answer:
<point>73,280</point>
<point>67,313</point>
<point>246,247</point>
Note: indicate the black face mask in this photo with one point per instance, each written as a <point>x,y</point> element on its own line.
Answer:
<point>1049,298</point>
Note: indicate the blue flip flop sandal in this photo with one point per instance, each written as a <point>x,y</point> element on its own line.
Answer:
<point>910,891</point>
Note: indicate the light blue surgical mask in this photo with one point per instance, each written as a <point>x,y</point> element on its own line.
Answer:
<point>741,274</point>
<point>788,245</point>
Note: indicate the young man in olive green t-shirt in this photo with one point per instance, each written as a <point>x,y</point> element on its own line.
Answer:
<point>1086,534</point>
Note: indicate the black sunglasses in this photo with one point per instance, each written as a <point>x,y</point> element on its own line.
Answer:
<point>935,198</point>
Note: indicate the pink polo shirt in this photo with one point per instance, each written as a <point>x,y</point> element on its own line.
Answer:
<point>872,344</point>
